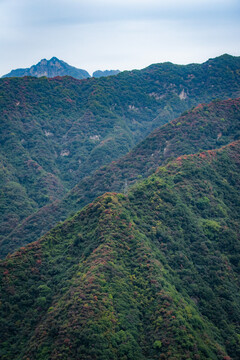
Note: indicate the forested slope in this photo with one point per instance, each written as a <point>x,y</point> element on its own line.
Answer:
<point>153,274</point>
<point>207,126</point>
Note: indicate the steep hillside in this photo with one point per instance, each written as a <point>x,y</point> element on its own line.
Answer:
<point>54,132</point>
<point>50,68</point>
<point>149,275</point>
<point>205,127</point>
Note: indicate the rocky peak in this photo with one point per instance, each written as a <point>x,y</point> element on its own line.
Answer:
<point>50,68</point>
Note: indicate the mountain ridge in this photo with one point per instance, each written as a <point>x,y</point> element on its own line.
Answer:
<point>54,67</point>
<point>83,74</point>
<point>100,73</point>
<point>147,275</point>
<point>50,68</point>
<point>56,131</point>
<point>206,126</point>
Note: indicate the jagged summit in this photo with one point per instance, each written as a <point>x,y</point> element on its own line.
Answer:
<point>50,68</point>
<point>55,67</point>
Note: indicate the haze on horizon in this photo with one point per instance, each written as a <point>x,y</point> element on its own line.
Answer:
<point>124,34</point>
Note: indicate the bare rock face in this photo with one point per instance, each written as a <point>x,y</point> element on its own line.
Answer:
<point>183,95</point>
<point>50,68</point>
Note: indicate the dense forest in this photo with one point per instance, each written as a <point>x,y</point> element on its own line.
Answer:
<point>119,216</point>
<point>56,131</point>
<point>207,126</point>
<point>149,275</point>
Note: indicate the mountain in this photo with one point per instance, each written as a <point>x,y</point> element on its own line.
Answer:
<point>153,274</point>
<point>100,73</point>
<point>207,126</point>
<point>55,67</point>
<point>57,131</point>
<point>50,68</point>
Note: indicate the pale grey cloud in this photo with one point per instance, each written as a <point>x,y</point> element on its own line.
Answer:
<point>116,34</point>
<point>53,12</point>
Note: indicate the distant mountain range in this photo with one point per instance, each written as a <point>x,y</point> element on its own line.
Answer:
<point>55,67</point>
<point>100,73</point>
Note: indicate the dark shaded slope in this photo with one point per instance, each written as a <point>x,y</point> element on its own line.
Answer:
<point>205,127</point>
<point>146,276</point>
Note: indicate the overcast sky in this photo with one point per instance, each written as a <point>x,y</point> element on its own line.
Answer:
<point>116,34</point>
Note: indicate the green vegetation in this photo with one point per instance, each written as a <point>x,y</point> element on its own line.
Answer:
<point>55,132</point>
<point>153,274</point>
<point>201,128</point>
<point>149,269</point>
